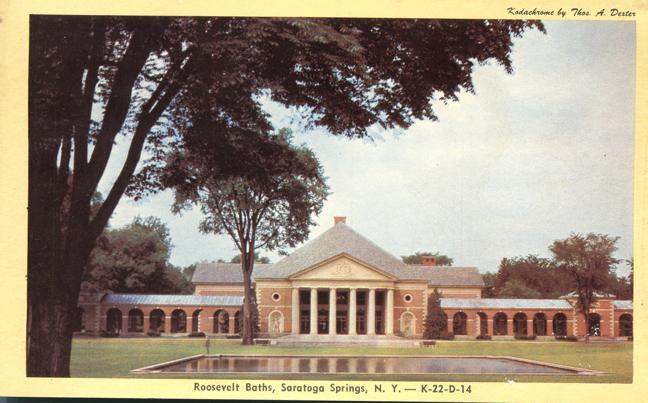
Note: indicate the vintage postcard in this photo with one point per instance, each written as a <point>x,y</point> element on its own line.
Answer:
<point>394,201</point>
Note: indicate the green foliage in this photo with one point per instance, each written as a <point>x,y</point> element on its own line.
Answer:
<point>135,259</point>
<point>257,259</point>
<point>528,277</point>
<point>489,279</point>
<point>534,277</point>
<point>587,260</point>
<point>271,210</point>
<point>436,321</point>
<point>188,271</point>
<point>517,289</point>
<point>417,258</point>
<point>621,287</point>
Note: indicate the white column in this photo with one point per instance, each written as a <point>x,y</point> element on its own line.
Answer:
<point>332,311</point>
<point>313,311</point>
<point>389,314</point>
<point>352,311</point>
<point>295,311</point>
<point>371,321</point>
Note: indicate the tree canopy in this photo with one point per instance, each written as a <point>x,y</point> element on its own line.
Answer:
<point>417,258</point>
<point>257,259</point>
<point>135,259</point>
<point>530,277</point>
<point>588,260</point>
<point>535,277</point>
<point>196,85</point>
<point>271,213</point>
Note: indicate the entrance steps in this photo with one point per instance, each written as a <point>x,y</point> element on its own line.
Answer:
<point>326,340</point>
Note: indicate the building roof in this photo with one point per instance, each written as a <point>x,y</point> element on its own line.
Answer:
<point>623,304</point>
<point>446,275</point>
<point>223,272</point>
<point>341,239</point>
<point>177,300</point>
<point>501,303</point>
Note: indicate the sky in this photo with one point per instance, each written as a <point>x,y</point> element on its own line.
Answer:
<point>530,158</point>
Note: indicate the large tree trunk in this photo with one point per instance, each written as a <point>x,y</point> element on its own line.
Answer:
<point>247,331</point>
<point>53,291</point>
<point>54,282</point>
<point>50,336</point>
<point>247,262</point>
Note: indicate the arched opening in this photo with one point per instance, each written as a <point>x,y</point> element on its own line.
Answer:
<point>499,324</point>
<point>114,320</point>
<point>237,322</point>
<point>275,323</point>
<point>221,322</point>
<point>560,324</point>
<point>135,321</point>
<point>156,320</point>
<point>460,324</point>
<point>483,323</point>
<point>194,320</point>
<point>594,324</point>
<point>520,324</point>
<point>178,321</point>
<point>79,320</point>
<point>625,325</point>
<point>540,324</point>
<point>408,324</point>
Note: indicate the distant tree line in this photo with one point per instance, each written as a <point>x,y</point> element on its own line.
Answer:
<point>536,277</point>
<point>417,258</point>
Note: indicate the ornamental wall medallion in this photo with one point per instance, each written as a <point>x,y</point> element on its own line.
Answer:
<point>342,270</point>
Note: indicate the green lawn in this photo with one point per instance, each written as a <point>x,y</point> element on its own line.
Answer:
<point>103,357</point>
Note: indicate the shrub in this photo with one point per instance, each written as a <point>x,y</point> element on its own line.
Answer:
<point>525,337</point>
<point>447,336</point>
<point>436,321</point>
<point>153,333</point>
<point>566,338</point>
<point>105,333</point>
<point>197,334</point>
<point>484,337</point>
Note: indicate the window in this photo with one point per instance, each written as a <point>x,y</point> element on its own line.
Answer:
<point>276,296</point>
<point>407,298</point>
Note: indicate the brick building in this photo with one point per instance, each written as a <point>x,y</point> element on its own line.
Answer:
<point>341,283</point>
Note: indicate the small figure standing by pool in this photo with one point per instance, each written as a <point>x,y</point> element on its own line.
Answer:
<point>207,344</point>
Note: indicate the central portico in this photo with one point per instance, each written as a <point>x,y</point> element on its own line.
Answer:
<point>341,286</point>
<point>342,296</point>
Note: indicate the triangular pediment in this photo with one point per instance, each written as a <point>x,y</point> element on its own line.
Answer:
<point>342,267</point>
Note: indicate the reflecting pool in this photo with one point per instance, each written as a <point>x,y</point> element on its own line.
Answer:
<point>361,365</point>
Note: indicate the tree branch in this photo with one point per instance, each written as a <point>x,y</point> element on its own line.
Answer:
<point>118,103</point>
<point>146,122</point>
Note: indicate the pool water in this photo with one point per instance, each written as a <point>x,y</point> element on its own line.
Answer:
<point>360,365</point>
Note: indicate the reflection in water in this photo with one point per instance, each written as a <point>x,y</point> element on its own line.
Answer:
<point>362,365</point>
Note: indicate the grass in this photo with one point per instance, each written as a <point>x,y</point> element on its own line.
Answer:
<point>102,357</point>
